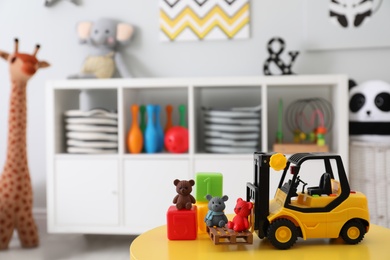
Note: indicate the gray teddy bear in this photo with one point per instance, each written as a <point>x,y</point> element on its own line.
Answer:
<point>215,216</point>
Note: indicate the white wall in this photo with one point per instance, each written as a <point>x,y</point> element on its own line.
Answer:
<point>54,29</point>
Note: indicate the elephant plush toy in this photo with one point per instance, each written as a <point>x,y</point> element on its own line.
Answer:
<point>104,36</point>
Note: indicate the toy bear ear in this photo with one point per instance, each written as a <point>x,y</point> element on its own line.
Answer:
<point>225,198</point>
<point>209,197</point>
<point>351,84</point>
<point>175,182</point>
<point>239,200</point>
<point>250,205</point>
<point>83,30</point>
<point>124,32</point>
<point>192,182</point>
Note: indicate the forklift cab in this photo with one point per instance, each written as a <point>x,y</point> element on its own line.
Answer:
<point>305,197</point>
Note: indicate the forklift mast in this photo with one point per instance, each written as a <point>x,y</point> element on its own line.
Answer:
<point>258,192</point>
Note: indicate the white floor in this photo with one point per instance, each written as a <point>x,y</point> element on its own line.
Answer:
<point>72,246</point>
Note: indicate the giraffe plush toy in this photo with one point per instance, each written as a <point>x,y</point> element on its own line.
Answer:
<point>16,196</point>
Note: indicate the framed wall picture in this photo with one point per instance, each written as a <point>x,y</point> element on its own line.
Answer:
<point>345,24</point>
<point>196,20</point>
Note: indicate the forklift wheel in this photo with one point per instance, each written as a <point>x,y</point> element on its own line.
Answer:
<point>352,232</point>
<point>282,233</point>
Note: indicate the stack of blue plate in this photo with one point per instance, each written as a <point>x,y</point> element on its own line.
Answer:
<point>91,132</point>
<point>232,130</point>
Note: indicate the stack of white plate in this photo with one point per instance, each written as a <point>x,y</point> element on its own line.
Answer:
<point>91,132</point>
<point>232,130</point>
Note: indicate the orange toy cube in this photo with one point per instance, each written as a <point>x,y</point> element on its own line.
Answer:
<point>182,224</point>
<point>202,208</point>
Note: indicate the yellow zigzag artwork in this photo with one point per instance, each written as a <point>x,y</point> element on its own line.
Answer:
<point>204,20</point>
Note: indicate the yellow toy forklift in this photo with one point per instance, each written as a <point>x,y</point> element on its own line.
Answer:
<point>329,210</point>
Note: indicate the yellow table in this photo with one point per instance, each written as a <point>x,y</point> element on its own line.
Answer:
<point>154,244</point>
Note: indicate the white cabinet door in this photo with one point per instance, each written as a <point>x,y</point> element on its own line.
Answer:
<point>149,190</point>
<point>86,192</point>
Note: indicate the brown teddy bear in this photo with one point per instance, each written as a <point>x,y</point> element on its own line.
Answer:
<point>184,199</point>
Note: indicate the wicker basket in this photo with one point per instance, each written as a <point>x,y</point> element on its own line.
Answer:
<point>370,173</point>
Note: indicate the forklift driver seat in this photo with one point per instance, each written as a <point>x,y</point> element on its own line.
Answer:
<point>325,186</point>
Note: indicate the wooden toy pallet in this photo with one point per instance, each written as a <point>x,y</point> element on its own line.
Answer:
<point>229,236</point>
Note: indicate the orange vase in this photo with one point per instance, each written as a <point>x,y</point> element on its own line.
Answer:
<point>135,139</point>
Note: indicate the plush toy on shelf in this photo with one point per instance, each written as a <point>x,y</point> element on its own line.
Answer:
<point>16,195</point>
<point>104,36</point>
<point>369,111</point>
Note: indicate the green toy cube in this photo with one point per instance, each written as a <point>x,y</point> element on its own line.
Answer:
<point>208,183</point>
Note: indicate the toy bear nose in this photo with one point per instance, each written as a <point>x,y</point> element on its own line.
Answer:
<point>368,112</point>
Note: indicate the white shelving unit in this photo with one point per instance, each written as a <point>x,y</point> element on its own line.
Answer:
<point>126,193</point>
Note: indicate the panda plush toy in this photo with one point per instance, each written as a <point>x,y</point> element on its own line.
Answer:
<point>369,111</point>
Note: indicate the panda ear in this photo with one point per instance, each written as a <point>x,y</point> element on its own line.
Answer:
<point>351,84</point>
